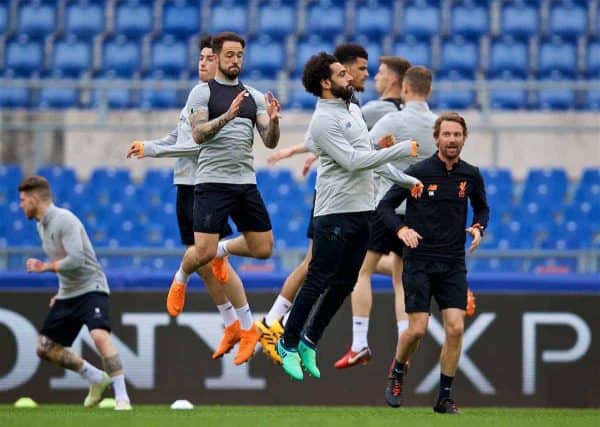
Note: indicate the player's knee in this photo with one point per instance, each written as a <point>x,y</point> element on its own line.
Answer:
<point>42,352</point>
<point>205,254</point>
<point>264,250</point>
<point>455,330</point>
<point>45,348</point>
<point>417,332</point>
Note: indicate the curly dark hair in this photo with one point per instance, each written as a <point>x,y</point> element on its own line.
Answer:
<point>347,53</point>
<point>317,68</point>
<point>205,41</point>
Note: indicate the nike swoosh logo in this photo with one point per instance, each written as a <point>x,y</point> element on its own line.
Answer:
<point>354,359</point>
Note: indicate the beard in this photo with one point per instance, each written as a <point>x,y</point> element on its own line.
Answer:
<point>344,93</point>
<point>451,154</point>
<point>230,73</point>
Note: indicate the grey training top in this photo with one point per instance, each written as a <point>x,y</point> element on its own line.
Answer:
<point>65,240</point>
<point>414,121</point>
<point>347,156</point>
<point>374,110</point>
<point>227,157</point>
<point>174,144</point>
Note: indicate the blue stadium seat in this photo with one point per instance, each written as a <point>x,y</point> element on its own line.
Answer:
<point>507,54</point>
<point>592,60</point>
<point>10,177</point>
<point>421,20</point>
<point>298,98</point>
<point>22,232</point>
<point>181,18</point>
<point>557,56</point>
<point>156,97</point>
<point>4,12</point>
<point>110,177</point>
<point>418,52</point>
<point>508,98</point>
<point>519,19</point>
<point>469,19</point>
<point>110,94</point>
<point>461,56</point>
<point>229,16</point>
<point>555,180</point>
<point>591,100</point>
<point>325,18</point>
<point>590,176</point>
<point>374,19</point>
<point>276,19</point>
<point>24,57</point>
<point>264,56</point>
<point>568,20</point>
<point>121,56</point>
<point>307,48</point>
<point>15,97</point>
<point>516,235</point>
<point>133,18</point>
<point>36,18</point>
<point>453,98</point>
<point>557,96</point>
<point>59,96</point>
<point>588,192</point>
<point>496,265</point>
<point>158,177</point>
<point>84,19</point>
<point>169,56</point>
<point>72,57</point>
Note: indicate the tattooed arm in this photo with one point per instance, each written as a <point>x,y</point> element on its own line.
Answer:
<point>267,123</point>
<point>203,129</point>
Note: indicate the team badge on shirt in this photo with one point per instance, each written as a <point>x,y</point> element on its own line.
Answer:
<point>462,188</point>
<point>431,189</point>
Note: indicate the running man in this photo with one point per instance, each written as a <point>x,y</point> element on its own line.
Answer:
<point>415,121</point>
<point>178,143</point>
<point>344,202</point>
<point>434,258</point>
<point>82,298</point>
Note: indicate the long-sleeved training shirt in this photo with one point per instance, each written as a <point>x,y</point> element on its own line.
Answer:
<point>415,121</point>
<point>347,159</point>
<point>374,110</point>
<point>440,215</point>
<point>184,172</point>
<point>65,240</point>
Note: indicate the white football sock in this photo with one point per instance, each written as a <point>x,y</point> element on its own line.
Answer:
<point>222,251</point>
<point>402,326</point>
<point>245,315</point>
<point>280,307</point>
<point>227,313</point>
<point>89,372</point>
<point>360,329</point>
<point>181,276</point>
<point>118,383</point>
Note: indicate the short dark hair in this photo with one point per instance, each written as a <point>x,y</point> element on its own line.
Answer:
<point>317,69</point>
<point>227,36</point>
<point>449,117</point>
<point>205,41</point>
<point>36,184</point>
<point>419,80</point>
<point>397,65</point>
<point>347,53</point>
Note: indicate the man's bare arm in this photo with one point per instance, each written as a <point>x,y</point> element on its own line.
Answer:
<point>268,130</point>
<point>203,129</point>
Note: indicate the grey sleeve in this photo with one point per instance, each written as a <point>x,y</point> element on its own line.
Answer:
<point>328,137</point>
<point>369,114</point>
<point>155,147</point>
<point>259,99</point>
<point>309,144</point>
<point>198,98</point>
<point>70,235</point>
<point>396,176</point>
<point>385,126</point>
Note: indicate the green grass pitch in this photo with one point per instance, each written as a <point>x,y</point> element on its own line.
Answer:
<point>286,416</point>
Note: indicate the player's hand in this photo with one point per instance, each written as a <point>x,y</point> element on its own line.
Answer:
<point>387,141</point>
<point>136,150</point>
<point>409,236</point>
<point>417,191</point>
<point>52,301</point>
<point>273,107</point>
<point>282,153</point>
<point>476,233</point>
<point>310,159</point>
<point>234,108</point>
<point>34,265</point>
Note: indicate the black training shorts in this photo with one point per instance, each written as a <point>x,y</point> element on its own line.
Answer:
<point>383,240</point>
<point>214,203</point>
<point>67,316</point>
<point>422,280</point>
<point>185,215</point>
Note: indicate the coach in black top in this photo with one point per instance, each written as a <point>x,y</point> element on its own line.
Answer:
<point>434,258</point>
